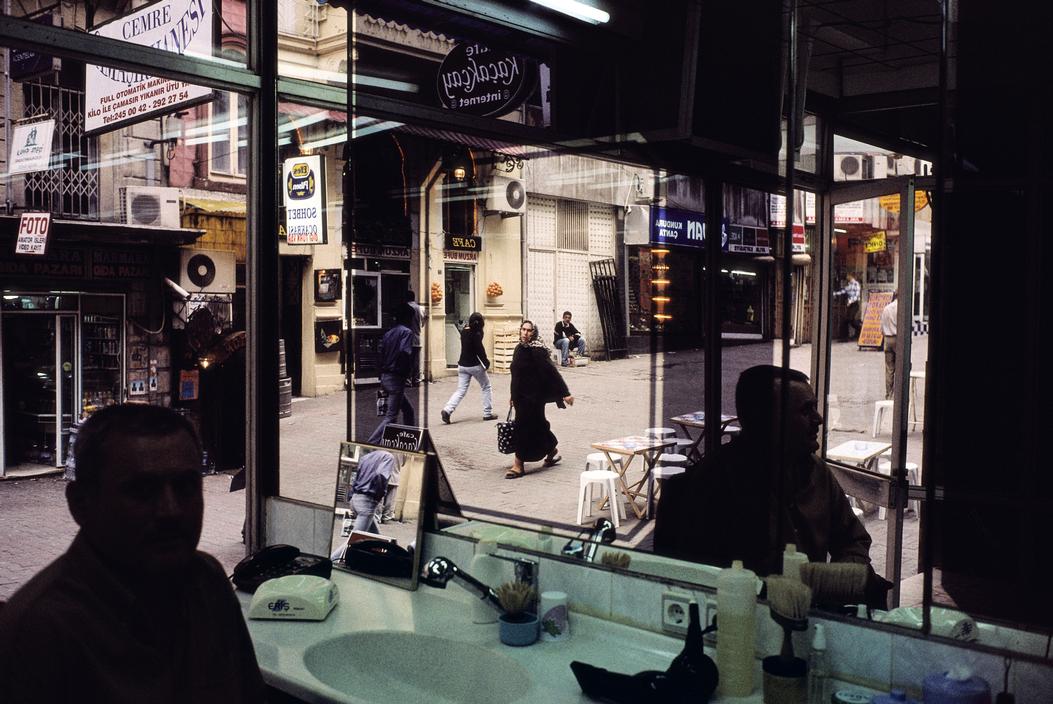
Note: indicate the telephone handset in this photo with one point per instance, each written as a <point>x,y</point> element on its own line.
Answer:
<point>277,561</point>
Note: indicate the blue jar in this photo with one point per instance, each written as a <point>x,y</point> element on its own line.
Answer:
<point>957,686</point>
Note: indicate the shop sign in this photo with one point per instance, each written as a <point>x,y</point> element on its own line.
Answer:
<point>478,80</point>
<point>891,202</point>
<point>27,64</point>
<point>875,243</point>
<point>850,212</point>
<point>304,199</point>
<point>683,227</point>
<point>402,437</point>
<point>115,97</point>
<point>33,229</point>
<point>380,251</point>
<point>748,240</point>
<point>31,147</point>
<point>777,209</point>
<point>463,243</point>
<point>452,256</point>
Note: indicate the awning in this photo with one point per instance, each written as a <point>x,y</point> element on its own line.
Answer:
<point>106,232</point>
<point>217,207</point>
<point>471,141</point>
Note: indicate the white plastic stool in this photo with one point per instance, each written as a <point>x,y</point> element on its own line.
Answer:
<point>598,460</point>
<point>605,479</point>
<point>683,444</point>
<point>732,430</point>
<point>660,433</point>
<point>672,459</point>
<point>660,473</point>
<point>885,467</point>
<point>879,413</point>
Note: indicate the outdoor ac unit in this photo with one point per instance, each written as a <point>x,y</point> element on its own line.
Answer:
<point>151,205</point>
<point>206,270</point>
<point>507,195</point>
<point>849,167</point>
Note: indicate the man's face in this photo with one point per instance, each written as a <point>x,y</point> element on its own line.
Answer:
<point>145,512</point>
<point>802,419</point>
<point>526,332</point>
<point>566,318</point>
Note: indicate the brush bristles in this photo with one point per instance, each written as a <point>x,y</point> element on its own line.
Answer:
<point>789,598</point>
<point>836,582</point>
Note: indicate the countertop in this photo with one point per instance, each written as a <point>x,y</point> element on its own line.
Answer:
<point>366,605</point>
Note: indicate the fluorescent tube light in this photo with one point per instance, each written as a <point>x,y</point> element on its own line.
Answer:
<point>577,10</point>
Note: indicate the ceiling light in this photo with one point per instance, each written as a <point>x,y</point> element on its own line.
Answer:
<point>577,10</point>
<point>838,229</point>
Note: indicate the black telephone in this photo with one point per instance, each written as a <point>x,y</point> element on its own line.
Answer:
<point>277,561</point>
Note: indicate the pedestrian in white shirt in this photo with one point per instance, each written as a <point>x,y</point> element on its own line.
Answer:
<point>888,330</point>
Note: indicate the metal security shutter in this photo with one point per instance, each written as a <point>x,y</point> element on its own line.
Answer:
<point>541,263</point>
<point>562,238</point>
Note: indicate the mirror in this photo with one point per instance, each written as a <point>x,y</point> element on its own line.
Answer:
<point>377,514</point>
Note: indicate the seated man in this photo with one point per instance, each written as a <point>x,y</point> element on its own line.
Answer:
<point>132,612</point>
<point>746,502</point>
<point>567,336</point>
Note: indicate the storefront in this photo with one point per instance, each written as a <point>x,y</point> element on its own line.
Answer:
<point>82,327</point>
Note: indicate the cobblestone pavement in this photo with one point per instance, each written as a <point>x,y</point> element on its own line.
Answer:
<point>611,399</point>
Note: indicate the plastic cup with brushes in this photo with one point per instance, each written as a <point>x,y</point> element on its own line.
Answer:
<point>785,675</point>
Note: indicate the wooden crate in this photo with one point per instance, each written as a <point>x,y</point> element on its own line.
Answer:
<point>505,342</point>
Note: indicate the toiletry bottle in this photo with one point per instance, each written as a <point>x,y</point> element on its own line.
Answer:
<point>487,569</point>
<point>544,540</point>
<point>693,672</point>
<point>792,561</point>
<point>736,629</point>
<point>818,671</point>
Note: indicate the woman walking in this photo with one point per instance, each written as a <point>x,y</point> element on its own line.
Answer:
<point>535,382</point>
<point>472,363</point>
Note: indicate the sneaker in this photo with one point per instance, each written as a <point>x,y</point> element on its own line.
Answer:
<point>490,417</point>
<point>445,416</point>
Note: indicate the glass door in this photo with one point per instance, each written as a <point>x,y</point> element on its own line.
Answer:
<point>459,300</point>
<point>66,394</point>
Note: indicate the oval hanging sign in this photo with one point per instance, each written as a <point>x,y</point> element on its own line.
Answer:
<point>478,80</point>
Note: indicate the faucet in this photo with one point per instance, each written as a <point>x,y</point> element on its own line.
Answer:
<point>602,533</point>
<point>440,570</point>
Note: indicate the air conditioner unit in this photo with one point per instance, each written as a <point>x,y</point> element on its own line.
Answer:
<point>206,270</point>
<point>151,205</point>
<point>906,165</point>
<point>849,167</point>
<point>506,195</point>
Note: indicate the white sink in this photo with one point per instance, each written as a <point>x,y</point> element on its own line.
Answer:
<point>400,666</point>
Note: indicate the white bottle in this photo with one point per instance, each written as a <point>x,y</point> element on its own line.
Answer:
<point>487,569</point>
<point>736,629</point>
<point>544,540</point>
<point>792,561</point>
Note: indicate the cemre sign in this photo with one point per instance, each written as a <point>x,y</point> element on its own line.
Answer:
<point>115,97</point>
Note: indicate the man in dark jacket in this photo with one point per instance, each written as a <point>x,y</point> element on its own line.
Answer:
<point>396,366</point>
<point>132,612</point>
<point>565,337</point>
<point>744,502</point>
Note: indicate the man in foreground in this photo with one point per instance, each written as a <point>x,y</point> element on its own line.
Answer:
<point>132,612</point>
<point>396,367</point>
<point>747,500</point>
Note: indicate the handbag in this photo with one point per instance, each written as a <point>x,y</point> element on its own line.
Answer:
<point>506,435</point>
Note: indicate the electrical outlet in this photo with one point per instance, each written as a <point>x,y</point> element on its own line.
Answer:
<point>675,615</point>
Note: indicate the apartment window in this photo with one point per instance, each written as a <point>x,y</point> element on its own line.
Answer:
<point>228,137</point>
<point>572,226</point>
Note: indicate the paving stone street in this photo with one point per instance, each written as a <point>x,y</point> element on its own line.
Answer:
<point>612,399</point>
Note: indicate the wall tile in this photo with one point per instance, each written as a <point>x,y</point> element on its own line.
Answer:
<point>638,602</point>
<point>1031,683</point>
<point>859,653</point>
<point>588,590</point>
<point>913,659</point>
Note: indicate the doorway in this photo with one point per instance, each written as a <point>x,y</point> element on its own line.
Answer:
<point>40,389</point>
<point>290,318</point>
<point>459,297</point>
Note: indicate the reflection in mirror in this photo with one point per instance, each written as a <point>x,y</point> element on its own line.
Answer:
<point>377,513</point>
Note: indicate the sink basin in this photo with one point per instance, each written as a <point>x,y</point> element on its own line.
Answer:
<point>399,667</point>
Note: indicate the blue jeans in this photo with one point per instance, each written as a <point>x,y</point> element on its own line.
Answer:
<point>396,387</point>
<point>464,377</point>
<point>364,506</point>
<point>563,345</point>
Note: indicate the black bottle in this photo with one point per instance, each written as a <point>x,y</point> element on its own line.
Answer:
<point>693,673</point>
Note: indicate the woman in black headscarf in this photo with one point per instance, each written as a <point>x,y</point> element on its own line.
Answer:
<point>535,382</point>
